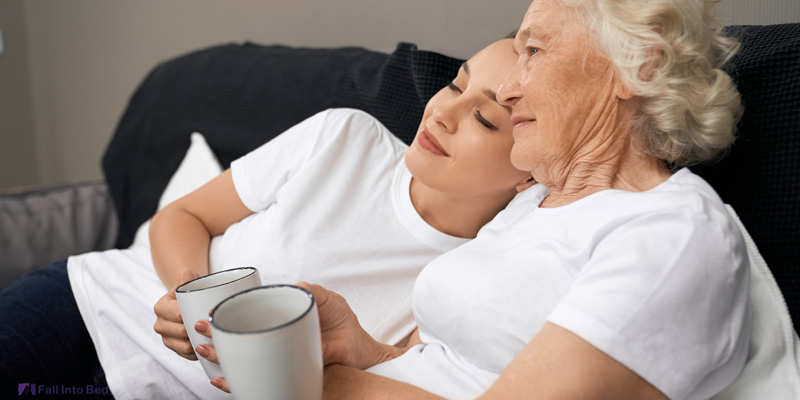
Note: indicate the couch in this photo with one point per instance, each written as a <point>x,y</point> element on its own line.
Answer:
<point>239,96</point>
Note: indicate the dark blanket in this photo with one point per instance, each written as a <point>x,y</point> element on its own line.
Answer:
<point>760,177</point>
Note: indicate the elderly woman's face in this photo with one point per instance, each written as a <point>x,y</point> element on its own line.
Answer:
<point>563,93</point>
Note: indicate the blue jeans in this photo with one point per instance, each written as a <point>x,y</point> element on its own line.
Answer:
<point>43,340</point>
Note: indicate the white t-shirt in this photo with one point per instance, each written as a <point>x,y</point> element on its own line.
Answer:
<point>332,206</point>
<point>658,280</point>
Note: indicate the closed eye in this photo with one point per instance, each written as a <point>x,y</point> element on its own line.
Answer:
<point>484,122</point>
<point>452,86</point>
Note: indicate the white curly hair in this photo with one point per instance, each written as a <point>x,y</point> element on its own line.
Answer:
<point>669,53</point>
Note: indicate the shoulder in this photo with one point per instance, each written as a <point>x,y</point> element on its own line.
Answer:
<point>356,124</point>
<point>665,288</point>
<point>683,200</point>
<point>681,225</point>
<point>348,119</point>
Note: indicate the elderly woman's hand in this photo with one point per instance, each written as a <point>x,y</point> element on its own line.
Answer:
<point>344,341</point>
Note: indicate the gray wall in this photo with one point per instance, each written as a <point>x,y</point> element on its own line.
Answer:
<point>18,153</point>
<point>70,66</point>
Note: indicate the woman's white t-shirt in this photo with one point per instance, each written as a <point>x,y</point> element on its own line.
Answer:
<point>657,280</point>
<point>332,206</point>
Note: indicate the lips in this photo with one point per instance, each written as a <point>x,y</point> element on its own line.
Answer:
<point>519,121</point>
<point>429,142</point>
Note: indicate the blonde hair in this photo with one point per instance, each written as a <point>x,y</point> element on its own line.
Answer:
<point>669,53</point>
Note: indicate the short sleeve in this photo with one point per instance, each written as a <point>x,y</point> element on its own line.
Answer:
<point>666,295</point>
<point>259,175</point>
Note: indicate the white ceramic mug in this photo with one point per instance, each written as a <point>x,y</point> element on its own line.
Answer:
<point>268,343</point>
<point>197,297</point>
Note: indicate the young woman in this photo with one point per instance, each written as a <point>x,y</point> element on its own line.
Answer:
<point>336,199</point>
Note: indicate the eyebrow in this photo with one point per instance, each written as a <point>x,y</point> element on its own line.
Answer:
<point>465,66</point>
<point>522,34</point>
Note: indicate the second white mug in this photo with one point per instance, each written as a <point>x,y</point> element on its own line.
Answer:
<point>268,343</point>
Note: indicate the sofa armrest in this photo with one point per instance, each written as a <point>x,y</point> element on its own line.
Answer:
<point>45,224</point>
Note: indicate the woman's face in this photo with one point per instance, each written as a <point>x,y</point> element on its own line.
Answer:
<point>464,139</point>
<point>563,93</point>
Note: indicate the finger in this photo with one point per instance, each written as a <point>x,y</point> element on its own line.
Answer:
<point>208,352</point>
<point>167,308</point>
<point>181,347</point>
<point>170,329</point>
<point>203,327</point>
<point>221,384</point>
<point>319,292</point>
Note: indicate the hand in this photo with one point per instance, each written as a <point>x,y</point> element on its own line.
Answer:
<point>344,341</point>
<point>169,323</point>
<point>210,353</point>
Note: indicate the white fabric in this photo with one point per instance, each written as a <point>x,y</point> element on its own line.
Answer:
<point>332,205</point>
<point>198,166</point>
<point>658,280</point>
<point>772,370</point>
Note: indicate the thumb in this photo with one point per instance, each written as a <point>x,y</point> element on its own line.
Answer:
<point>320,293</point>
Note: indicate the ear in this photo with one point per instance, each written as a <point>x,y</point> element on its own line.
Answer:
<point>653,57</point>
<point>528,182</point>
<point>622,90</point>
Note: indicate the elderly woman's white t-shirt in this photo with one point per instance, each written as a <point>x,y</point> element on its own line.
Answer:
<point>658,280</point>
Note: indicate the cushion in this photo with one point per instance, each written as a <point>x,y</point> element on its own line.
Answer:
<point>46,224</point>
<point>197,167</point>
<point>772,370</point>
<point>240,96</point>
<point>760,177</point>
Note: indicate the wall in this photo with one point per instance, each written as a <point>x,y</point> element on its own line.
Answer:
<point>759,12</point>
<point>18,155</point>
<point>87,56</point>
<point>80,60</point>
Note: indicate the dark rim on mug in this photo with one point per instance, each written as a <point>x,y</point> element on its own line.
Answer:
<point>285,324</point>
<point>179,290</point>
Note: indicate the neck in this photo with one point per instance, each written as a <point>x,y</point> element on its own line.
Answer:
<point>636,174</point>
<point>615,164</point>
<point>455,215</point>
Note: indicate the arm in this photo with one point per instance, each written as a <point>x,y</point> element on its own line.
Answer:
<point>180,234</point>
<point>346,383</point>
<point>556,364</point>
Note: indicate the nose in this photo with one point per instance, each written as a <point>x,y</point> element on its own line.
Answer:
<point>445,115</point>
<point>509,91</point>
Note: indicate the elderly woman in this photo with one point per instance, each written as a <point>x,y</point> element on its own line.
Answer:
<point>619,275</point>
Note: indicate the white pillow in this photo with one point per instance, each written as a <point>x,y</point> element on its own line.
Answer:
<point>772,370</point>
<point>199,166</point>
